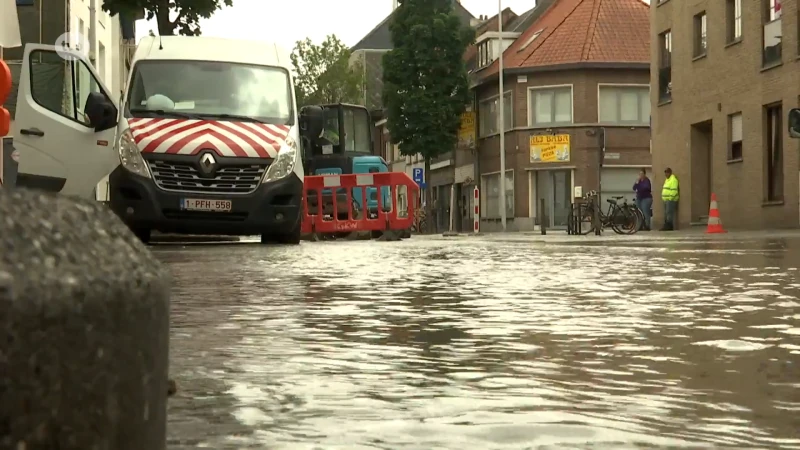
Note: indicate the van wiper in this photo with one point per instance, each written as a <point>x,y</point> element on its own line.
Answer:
<point>235,117</point>
<point>163,113</point>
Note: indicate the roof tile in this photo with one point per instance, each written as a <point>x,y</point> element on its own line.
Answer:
<point>574,31</point>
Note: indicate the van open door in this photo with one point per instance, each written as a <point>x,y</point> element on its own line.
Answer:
<point>65,125</point>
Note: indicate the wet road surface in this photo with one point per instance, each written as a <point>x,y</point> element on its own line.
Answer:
<point>486,343</point>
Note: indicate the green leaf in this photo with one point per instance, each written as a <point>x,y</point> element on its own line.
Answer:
<point>186,13</point>
<point>325,74</point>
<point>426,87</point>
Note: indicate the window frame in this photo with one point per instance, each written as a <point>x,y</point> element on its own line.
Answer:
<point>771,16</point>
<point>510,126</point>
<point>553,88</point>
<point>700,35</point>
<point>734,154</point>
<point>771,178</point>
<point>484,200</point>
<point>69,66</point>
<point>645,120</point>
<point>664,65</point>
<point>733,21</point>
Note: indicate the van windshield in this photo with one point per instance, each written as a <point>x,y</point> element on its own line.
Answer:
<point>211,89</point>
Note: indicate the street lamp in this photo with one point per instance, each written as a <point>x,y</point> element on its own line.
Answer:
<point>502,113</point>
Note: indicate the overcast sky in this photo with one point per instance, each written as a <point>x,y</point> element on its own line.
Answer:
<point>287,23</point>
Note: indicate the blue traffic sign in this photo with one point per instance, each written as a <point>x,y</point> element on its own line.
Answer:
<point>418,175</point>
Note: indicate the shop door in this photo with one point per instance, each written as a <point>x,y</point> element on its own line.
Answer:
<point>554,187</point>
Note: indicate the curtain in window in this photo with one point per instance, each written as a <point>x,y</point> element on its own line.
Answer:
<point>563,106</point>
<point>509,194</point>
<point>629,105</point>
<point>736,128</point>
<point>608,105</point>
<point>544,107</point>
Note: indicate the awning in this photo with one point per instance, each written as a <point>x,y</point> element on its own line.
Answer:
<point>9,24</point>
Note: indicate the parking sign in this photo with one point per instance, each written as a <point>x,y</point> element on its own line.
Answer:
<point>419,175</point>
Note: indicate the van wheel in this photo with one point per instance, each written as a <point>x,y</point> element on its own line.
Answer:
<point>289,238</point>
<point>143,235</point>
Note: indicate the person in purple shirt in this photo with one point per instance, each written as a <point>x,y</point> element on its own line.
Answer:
<point>644,197</point>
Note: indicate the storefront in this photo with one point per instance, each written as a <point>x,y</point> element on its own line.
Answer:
<point>553,189</point>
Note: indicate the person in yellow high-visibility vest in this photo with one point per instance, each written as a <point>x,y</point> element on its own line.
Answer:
<point>670,194</point>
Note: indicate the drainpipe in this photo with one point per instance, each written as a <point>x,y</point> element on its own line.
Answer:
<point>92,31</point>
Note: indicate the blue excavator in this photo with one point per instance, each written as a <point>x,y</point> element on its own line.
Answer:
<point>344,147</point>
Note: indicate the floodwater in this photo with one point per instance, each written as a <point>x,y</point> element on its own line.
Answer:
<point>486,343</point>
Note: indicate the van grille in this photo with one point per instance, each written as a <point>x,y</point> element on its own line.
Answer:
<point>228,179</point>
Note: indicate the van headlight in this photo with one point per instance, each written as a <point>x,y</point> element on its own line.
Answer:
<point>284,163</point>
<point>130,157</point>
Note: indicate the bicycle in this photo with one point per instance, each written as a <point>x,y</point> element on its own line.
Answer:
<point>623,220</point>
<point>633,207</point>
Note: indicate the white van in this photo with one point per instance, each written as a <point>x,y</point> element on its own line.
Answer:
<point>204,141</point>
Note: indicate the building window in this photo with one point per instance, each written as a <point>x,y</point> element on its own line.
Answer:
<point>735,136</point>
<point>490,120</point>
<point>624,105</point>
<point>773,154</point>
<point>665,66</point>
<point>101,61</point>
<point>550,106</point>
<point>490,203</point>
<point>485,53</point>
<point>699,34</point>
<point>733,18</point>
<point>772,50</point>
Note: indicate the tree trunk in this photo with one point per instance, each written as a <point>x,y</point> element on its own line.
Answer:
<point>427,195</point>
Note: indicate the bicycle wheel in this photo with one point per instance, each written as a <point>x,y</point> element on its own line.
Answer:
<point>639,216</point>
<point>586,219</point>
<point>625,221</point>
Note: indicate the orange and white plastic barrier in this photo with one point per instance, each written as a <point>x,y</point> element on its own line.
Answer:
<point>476,225</point>
<point>386,217</point>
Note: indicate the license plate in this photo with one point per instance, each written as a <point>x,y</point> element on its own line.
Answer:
<point>197,204</point>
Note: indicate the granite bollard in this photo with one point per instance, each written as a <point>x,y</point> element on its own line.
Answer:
<point>84,329</point>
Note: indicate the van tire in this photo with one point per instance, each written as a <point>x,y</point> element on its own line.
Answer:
<point>289,238</point>
<point>143,235</point>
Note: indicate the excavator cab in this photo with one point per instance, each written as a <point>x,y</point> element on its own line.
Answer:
<point>344,147</point>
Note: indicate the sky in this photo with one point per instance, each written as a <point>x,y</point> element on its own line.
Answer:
<point>299,19</point>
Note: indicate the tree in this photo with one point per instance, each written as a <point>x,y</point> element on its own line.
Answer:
<point>425,84</point>
<point>186,13</point>
<point>324,73</point>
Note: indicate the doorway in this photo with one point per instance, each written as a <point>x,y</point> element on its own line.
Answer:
<point>700,175</point>
<point>555,188</point>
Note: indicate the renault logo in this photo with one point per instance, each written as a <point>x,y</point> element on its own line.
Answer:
<point>207,163</point>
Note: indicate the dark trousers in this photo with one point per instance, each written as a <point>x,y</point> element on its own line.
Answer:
<point>670,211</point>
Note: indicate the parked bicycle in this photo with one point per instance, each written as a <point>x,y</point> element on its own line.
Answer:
<point>623,219</point>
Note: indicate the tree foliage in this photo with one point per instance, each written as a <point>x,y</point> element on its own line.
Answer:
<point>324,73</point>
<point>186,14</point>
<point>425,79</point>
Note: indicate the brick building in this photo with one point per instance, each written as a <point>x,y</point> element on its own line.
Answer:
<point>723,83</point>
<point>581,67</point>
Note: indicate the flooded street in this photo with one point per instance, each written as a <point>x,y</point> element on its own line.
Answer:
<point>486,343</point>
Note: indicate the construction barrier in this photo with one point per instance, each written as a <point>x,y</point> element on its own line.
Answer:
<point>344,215</point>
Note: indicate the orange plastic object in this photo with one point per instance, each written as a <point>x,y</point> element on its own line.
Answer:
<point>387,217</point>
<point>5,91</point>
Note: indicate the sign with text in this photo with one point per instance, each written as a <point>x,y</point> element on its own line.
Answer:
<point>550,148</point>
<point>466,131</point>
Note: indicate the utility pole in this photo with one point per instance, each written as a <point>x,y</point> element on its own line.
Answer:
<point>502,120</point>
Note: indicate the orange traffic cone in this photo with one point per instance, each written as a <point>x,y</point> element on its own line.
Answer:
<point>714,222</point>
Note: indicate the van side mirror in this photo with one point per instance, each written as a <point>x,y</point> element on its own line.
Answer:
<point>311,122</point>
<point>102,114</point>
<point>794,123</point>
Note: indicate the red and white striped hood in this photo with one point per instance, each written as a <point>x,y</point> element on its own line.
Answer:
<point>226,138</point>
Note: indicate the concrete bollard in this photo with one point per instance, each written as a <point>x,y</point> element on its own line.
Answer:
<point>84,320</point>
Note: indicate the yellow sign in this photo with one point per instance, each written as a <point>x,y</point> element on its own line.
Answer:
<point>466,132</point>
<point>550,148</point>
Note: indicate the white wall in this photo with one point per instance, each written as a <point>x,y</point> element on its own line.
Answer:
<point>107,48</point>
